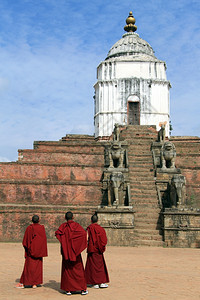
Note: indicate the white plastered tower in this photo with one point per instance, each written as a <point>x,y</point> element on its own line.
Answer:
<point>132,87</point>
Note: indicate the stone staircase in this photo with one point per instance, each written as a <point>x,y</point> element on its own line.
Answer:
<point>147,230</point>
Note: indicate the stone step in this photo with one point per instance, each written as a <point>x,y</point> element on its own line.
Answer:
<point>143,177</point>
<point>140,170</point>
<point>146,210</point>
<point>138,150</point>
<point>140,156</point>
<point>145,215</point>
<point>139,134</point>
<point>147,162</point>
<point>138,201</point>
<point>140,160</point>
<point>148,235</point>
<point>148,243</point>
<point>143,194</point>
<point>146,197</point>
<point>144,206</point>
<point>141,165</point>
<point>143,191</point>
<point>143,225</point>
<point>142,181</point>
<point>138,141</point>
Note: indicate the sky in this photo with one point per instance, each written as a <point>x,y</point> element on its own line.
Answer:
<point>49,52</point>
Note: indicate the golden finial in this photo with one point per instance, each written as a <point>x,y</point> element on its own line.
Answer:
<point>130,21</point>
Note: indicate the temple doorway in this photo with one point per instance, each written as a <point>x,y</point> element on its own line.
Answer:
<point>133,113</point>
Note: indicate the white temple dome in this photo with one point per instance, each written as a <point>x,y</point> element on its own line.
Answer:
<point>131,45</point>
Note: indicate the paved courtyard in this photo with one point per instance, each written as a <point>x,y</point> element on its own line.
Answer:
<point>135,274</point>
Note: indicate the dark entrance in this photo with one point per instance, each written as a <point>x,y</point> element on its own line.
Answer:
<point>134,113</point>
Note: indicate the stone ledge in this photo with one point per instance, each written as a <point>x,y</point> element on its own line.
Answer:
<point>60,151</point>
<point>56,164</point>
<point>9,208</point>
<point>49,182</point>
<point>181,211</point>
<point>181,228</point>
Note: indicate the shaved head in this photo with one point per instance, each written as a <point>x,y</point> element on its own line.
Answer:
<point>35,219</point>
<point>69,216</point>
<point>94,219</point>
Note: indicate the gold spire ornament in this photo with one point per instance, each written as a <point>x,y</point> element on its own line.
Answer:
<point>130,21</point>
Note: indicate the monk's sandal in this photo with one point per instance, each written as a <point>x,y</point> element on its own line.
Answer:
<point>84,292</point>
<point>19,286</point>
<point>68,293</point>
<point>103,285</point>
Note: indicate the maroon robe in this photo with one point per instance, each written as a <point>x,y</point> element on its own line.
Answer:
<point>35,244</point>
<point>73,241</point>
<point>95,269</point>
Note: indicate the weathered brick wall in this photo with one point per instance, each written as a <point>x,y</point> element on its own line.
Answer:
<point>49,180</point>
<point>14,219</point>
<point>51,172</point>
<point>50,193</point>
<point>188,160</point>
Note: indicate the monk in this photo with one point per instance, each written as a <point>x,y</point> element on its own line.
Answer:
<point>95,270</point>
<point>73,240</point>
<point>35,245</point>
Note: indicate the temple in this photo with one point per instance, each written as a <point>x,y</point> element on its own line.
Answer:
<point>143,183</point>
<point>132,87</point>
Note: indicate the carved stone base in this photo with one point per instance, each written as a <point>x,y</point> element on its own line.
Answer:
<point>182,227</point>
<point>118,223</point>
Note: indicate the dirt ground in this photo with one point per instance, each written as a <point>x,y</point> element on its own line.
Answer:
<point>135,273</point>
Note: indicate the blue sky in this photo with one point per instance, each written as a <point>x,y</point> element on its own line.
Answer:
<point>49,51</point>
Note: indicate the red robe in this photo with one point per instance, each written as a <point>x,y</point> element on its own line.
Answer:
<point>73,241</point>
<point>95,269</point>
<point>35,244</point>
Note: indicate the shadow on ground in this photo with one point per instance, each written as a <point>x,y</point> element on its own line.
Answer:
<point>54,285</point>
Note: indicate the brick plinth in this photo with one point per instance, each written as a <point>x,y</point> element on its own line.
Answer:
<point>15,218</point>
<point>182,227</point>
<point>188,160</point>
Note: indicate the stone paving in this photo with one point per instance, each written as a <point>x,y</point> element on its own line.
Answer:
<point>139,273</point>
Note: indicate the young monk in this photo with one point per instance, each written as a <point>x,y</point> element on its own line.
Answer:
<point>96,270</point>
<point>35,245</point>
<point>73,240</point>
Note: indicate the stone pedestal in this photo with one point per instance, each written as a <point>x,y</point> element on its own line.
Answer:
<point>118,223</point>
<point>182,227</point>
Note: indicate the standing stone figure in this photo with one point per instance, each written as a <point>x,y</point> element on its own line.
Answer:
<point>168,155</point>
<point>178,190</point>
<point>116,184</point>
<point>116,133</point>
<point>116,155</point>
<point>161,134</point>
